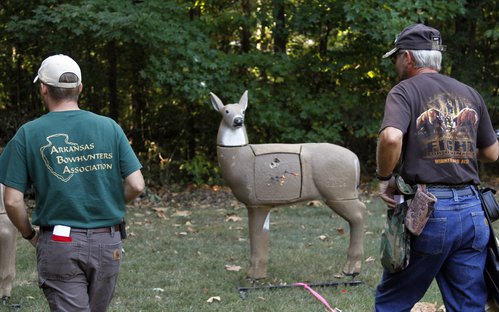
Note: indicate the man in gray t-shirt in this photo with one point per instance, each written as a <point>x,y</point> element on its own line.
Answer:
<point>437,128</point>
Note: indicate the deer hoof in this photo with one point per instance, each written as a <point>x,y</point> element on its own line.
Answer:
<point>256,274</point>
<point>352,268</point>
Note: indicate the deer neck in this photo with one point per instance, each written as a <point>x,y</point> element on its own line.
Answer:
<point>232,137</point>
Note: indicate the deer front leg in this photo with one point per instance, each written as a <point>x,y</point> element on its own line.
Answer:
<point>353,212</point>
<point>7,255</point>
<point>259,241</point>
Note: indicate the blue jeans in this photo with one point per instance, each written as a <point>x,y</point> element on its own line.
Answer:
<point>452,249</point>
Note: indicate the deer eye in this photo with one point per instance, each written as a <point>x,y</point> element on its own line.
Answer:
<point>243,112</point>
<point>226,111</point>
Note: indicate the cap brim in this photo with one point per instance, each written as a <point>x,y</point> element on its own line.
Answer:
<point>36,79</point>
<point>390,53</point>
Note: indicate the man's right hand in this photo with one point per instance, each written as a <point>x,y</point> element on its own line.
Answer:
<point>387,191</point>
<point>34,240</point>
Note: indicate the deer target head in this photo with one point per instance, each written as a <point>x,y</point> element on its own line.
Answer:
<point>232,114</point>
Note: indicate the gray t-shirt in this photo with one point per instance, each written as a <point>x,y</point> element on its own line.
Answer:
<point>444,122</point>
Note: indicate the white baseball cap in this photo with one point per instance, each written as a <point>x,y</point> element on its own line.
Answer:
<point>52,69</point>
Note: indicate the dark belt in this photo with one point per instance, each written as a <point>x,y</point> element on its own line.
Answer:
<point>452,186</point>
<point>460,190</point>
<point>107,229</point>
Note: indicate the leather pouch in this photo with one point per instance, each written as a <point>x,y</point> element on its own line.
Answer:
<point>420,209</point>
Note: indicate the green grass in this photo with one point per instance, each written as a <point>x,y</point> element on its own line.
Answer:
<point>177,263</point>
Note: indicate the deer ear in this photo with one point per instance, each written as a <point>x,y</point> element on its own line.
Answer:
<point>244,100</point>
<point>216,102</point>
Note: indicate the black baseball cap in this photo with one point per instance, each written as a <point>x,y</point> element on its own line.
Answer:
<point>417,37</point>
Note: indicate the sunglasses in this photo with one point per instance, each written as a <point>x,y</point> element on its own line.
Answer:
<point>396,55</point>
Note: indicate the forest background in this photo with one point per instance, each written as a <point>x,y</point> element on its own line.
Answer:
<point>313,69</point>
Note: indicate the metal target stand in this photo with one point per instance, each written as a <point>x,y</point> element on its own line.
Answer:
<point>244,290</point>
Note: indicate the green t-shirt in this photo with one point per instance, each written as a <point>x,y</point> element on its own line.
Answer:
<point>76,161</point>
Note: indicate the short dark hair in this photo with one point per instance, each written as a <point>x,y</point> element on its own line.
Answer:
<point>59,94</point>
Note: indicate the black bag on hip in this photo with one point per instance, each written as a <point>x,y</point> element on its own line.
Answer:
<point>492,263</point>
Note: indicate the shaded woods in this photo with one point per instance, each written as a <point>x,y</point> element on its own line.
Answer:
<point>313,68</point>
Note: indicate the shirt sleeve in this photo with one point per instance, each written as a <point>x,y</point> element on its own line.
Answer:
<point>486,135</point>
<point>13,167</point>
<point>129,163</point>
<point>397,112</point>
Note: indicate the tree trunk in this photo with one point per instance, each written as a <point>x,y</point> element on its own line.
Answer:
<point>246,33</point>
<point>280,33</point>
<point>114,109</point>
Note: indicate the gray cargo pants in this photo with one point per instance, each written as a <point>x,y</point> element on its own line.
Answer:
<point>79,276</point>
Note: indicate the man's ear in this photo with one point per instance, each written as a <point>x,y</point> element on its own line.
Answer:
<point>409,57</point>
<point>43,89</point>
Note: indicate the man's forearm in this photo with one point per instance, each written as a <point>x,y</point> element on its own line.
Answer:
<point>388,150</point>
<point>133,185</point>
<point>488,154</point>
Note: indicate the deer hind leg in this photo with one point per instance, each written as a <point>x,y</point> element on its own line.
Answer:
<point>259,241</point>
<point>353,212</point>
<point>7,255</point>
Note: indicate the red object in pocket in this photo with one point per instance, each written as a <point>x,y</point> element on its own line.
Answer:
<point>64,239</point>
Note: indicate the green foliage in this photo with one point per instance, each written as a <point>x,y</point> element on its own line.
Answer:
<point>151,64</point>
<point>201,170</point>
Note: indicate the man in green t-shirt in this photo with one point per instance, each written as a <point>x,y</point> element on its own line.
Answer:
<point>83,171</point>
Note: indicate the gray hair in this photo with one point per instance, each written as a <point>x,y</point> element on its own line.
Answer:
<point>427,58</point>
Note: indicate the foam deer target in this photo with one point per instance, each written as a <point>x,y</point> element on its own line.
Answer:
<point>7,251</point>
<point>263,176</point>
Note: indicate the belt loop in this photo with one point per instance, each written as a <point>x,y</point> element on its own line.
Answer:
<point>475,191</point>
<point>454,194</point>
<point>112,231</point>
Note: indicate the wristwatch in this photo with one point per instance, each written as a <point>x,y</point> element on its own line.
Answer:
<point>382,178</point>
<point>30,236</point>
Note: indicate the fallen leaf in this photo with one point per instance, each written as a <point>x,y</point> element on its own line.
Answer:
<point>340,230</point>
<point>322,237</point>
<point>314,203</point>
<point>182,213</point>
<point>370,259</point>
<point>212,299</point>
<point>234,268</point>
<point>233,218</point>
<point>424,307</point>
<point>160,212</point>
<point>158,289</point>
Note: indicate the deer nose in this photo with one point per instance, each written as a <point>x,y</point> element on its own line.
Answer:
<point>238,122</point>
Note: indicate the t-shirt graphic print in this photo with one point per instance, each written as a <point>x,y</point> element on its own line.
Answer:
<point>447,128</point>
<point>64,158</point>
